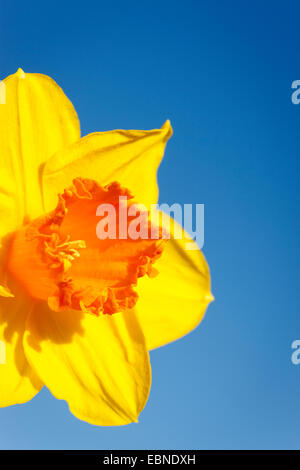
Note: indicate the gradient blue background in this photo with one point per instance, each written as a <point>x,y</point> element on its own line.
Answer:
<point>222,73</point>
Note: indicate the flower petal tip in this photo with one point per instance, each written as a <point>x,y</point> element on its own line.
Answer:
<point>167,127</point>
<point>20,73</point>
<point>209,297</point>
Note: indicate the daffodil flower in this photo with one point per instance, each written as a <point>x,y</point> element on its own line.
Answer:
<point>78,314</point>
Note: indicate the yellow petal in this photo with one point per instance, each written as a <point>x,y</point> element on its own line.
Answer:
<point>36,121</point>
<point>18,381</point>
<point>130,157</point>
<point>174,302</point>
<point>99,365</point>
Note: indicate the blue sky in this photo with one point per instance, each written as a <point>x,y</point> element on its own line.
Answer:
<point>222,73</point>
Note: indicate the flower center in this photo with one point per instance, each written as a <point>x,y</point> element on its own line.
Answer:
<point>60,259</point>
